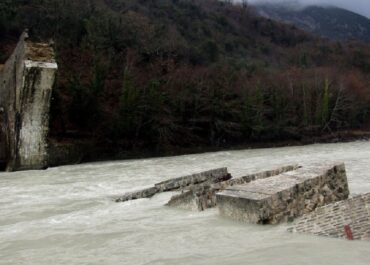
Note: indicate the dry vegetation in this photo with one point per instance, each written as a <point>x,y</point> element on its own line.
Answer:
<point>138,75</point>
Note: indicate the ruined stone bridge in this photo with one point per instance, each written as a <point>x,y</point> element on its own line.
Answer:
<point>313,199</point>
<point>26,81</point>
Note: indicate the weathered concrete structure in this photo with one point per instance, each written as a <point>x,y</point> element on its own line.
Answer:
<point>207,177</point>
<point>286,196</point>
<point>331,220</point>
<point>203,196</point>
<point>26,82</point>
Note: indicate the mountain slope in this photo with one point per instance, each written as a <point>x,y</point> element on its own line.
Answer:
<point>167,74</point>
<point>332,22</point>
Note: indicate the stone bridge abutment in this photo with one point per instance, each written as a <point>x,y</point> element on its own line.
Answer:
<point>26,81</point>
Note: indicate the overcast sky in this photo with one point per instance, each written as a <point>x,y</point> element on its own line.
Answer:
<point>358,6</point>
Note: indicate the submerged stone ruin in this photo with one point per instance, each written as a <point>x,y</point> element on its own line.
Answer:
<point>198,191</point>
<point>286,196</point>
<point>203,196</point>
<point>26,81</point>
<point>345,219</point>
<point>313,198</point>
<point>207,177</point>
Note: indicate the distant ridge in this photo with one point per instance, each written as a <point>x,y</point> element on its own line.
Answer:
<point>331,22</point>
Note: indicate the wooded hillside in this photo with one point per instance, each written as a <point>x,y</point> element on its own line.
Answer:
<point>164,74</point>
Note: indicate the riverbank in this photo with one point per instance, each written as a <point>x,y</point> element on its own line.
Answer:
<point>72,151</point>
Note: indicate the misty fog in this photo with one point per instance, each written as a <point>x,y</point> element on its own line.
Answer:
<point>359,6</point>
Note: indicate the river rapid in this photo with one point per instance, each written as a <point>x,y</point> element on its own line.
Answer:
<point>66,215</point>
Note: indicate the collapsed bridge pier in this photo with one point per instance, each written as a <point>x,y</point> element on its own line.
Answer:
<point>313,198</point>
<point>26,81</point>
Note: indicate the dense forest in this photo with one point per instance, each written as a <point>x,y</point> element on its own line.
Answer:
<point>169,74</point>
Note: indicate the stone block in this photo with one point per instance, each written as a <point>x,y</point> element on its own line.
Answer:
<point>203,196</point>
<point>207,177</point>
<point>196,198</point>
<point>210,176</point>
<point>145,193</point>
<point>286,196</point>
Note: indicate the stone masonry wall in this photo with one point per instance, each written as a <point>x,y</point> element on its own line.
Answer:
<point>26,83</point>
<point>203,196</point>
<point>330,220</point>
<point>206,177</point>
<point>3,140</point>
<point>11,79</point>
<point>286,196</point>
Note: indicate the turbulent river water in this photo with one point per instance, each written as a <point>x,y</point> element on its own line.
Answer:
<point>66,215</point>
